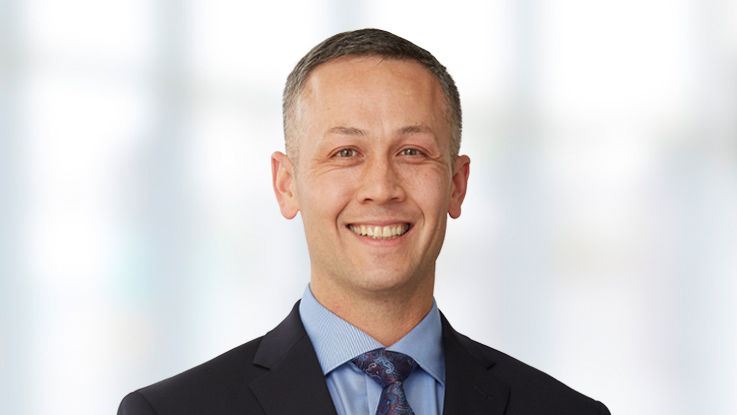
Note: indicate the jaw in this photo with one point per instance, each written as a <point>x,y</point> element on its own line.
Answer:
<point>361,266</point>
<point>381,262</point>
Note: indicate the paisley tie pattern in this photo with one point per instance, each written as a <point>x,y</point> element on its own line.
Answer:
<point>390,369</point>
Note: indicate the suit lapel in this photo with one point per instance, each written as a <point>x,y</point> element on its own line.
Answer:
<point>469,386</point>
<point>294,383</point>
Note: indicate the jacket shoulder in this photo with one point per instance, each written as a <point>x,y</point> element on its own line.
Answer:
<point>219,385</point>
<point>532,390</point>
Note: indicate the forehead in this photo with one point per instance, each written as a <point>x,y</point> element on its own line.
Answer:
<point>356,68</point>
<point>372,91</point>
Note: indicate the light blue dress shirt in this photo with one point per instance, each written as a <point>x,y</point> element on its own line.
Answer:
<point>337,342</point>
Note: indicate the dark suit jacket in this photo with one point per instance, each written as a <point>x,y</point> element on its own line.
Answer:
<point>278,374</point>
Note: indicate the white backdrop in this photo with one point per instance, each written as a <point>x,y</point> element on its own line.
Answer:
<point>139,235</point>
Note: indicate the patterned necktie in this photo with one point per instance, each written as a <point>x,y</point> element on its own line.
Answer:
<point>390,369</point>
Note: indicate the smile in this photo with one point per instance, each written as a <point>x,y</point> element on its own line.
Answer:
<point>380,232</point>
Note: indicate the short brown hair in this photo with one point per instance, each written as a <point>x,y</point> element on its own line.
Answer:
<point>369,42</point>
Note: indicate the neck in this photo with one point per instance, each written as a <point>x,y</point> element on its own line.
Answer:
<point>386,315</point>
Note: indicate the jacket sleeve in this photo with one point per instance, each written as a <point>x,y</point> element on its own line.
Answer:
<point>135,404</point>
<point>603,410</point>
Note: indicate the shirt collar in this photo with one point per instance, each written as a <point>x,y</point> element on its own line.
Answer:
<point>336,341</point>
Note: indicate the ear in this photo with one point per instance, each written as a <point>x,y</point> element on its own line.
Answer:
<point>459,182</point>
<point>282,174</point>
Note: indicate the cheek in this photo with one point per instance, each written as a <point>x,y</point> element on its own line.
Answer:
<point>430,189</point>
<point>325,194</point>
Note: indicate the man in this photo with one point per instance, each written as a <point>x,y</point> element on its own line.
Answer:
<point>372,127</point>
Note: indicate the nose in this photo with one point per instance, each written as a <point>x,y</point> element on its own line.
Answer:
<point>380,183</point>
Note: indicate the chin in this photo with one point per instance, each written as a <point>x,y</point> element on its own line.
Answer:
<point>387,281</point>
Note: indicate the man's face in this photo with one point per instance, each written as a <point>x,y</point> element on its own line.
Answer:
<point>374,179</point>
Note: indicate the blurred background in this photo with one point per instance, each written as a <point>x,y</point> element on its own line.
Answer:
<point>139,235</point>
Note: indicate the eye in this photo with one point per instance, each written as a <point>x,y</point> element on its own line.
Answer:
<point>345,153</point>
<point>410,152</point>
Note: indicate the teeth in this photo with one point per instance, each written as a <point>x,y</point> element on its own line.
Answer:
<point>380,232</point>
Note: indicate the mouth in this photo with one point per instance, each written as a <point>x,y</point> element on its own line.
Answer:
<point>380,232</point>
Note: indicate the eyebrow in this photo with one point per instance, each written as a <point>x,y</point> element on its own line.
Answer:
<point>346,131</point>
<point>415,129</point>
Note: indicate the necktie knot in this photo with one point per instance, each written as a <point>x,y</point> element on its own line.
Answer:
<point>384,366</point>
